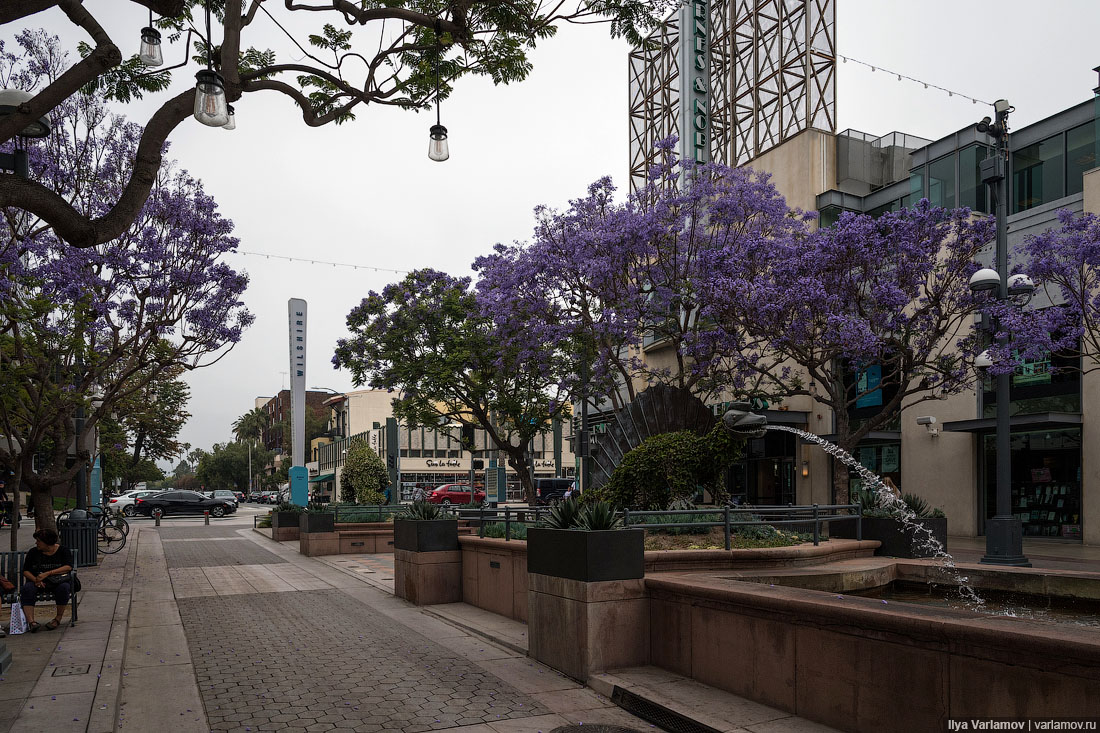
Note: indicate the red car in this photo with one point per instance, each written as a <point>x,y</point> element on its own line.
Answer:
<point>455,494</point>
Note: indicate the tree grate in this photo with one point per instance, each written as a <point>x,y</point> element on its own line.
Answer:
<point>658,715</point>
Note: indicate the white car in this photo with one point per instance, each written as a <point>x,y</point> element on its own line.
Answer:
<point>124,503</point>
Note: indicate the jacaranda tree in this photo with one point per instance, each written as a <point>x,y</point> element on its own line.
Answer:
<point>428,340</point>
<point>886,296</point>
<point>402,53</point>
<point>85,329</point>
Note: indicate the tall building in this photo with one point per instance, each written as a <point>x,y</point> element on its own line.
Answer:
<point>760,91</point>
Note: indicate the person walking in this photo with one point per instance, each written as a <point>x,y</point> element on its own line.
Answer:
<point>47,565</point>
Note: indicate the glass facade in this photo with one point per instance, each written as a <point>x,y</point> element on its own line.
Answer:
<point>1081,155</point>
<point>972,192</point>
<point>1046,481</point>
<point>1038,173</point>
<point>941,182</point>
<point>766,477</point>
<point>883,459</point>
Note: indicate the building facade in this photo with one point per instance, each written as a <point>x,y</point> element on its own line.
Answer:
<point>1052,166</point>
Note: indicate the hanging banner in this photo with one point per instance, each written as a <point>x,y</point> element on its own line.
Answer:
<point>695,81</point>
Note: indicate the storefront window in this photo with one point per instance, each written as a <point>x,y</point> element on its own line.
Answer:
<point>882,459</point>
<point>972,191</point>
<point>1037,174</point>
<point>1046,481</point>
<point>766,477</point>
<point>1081,152</point>
<point>1052,384</point>
<point>941,182</point>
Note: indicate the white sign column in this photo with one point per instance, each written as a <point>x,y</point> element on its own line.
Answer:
<point>299,478</point>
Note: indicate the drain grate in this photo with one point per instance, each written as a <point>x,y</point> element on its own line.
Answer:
<point>659,715</point>
<point>70,670</point>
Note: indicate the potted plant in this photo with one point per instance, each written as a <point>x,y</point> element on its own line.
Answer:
<point>423,527</point>
<point>586,543</point>
<point>882,521</point>
<point>316,520</point>
<point>284,522</point>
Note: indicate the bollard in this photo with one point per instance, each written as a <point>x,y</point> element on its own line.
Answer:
<point>157,518</point>
<point>206,516</point>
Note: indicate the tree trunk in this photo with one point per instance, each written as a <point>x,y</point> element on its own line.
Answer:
<point>840,481</point>
<point>15,508</point>
<point>517,459</point>
<point>43,508</point>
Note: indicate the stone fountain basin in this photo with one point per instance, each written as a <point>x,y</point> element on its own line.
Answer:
<point>847,576</point>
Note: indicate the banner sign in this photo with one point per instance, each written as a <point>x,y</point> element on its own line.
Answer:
<point>695,81</point>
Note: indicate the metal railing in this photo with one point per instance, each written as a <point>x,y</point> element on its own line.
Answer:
<point>731,518</point>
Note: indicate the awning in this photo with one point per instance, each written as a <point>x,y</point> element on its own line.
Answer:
<point>1038,421</point>
<point>322,477</point>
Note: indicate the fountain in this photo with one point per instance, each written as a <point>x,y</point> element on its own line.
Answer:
<point>739,419</point>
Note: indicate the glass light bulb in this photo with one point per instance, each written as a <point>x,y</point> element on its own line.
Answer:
<point>211,108</point>
<point>150,52</point>
<point>437,144</point>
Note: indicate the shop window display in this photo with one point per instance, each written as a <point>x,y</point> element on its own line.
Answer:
<point>1046,481</point>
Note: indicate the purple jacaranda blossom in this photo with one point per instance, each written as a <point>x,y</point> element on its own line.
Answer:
<point>111,318</point>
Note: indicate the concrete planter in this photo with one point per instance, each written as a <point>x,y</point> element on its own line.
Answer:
<point>586,556</point>
<point>430,535</point>
<point>284,526</point>
<point>895,539</point>
<point>316,522</point>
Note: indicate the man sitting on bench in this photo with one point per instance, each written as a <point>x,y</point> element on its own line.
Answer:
<point>47,565</point>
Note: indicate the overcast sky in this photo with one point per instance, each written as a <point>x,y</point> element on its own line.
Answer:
<point>365,193</point>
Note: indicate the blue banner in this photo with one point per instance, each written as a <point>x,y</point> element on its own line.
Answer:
<point>869,379</point>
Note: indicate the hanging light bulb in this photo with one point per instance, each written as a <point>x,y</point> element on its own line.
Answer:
<point>232,124</point>
<point>437,144</point>
<point>211,108</point>
<point>438,149</point>
<point>150,52</point>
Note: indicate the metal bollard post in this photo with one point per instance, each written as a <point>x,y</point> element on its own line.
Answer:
<point>157,520</point>
<point>817,527</point>
<point>206,516</point>
<point>507,523</point>
<point>729,541</point>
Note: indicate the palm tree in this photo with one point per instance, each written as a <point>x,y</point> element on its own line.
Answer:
<point>248,428</point>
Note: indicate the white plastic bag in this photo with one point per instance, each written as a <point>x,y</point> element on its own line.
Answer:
<point>18,620</point>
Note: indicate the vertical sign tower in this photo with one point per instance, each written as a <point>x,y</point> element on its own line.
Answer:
<point>299,477</point>
<point>695,81</point>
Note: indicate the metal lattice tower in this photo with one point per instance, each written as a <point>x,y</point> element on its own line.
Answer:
<point>772,75</point>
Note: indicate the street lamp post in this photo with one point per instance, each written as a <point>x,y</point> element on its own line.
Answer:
<point>1003,532</point>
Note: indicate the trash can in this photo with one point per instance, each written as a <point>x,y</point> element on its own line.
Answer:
<point>80,534</point>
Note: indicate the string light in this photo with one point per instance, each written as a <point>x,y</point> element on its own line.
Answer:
<point>321,262</point>
<point>903,77</point>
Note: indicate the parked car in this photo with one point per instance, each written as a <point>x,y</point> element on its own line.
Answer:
<point>455,494</point>
<point>182,502</point>
<point>551,490</point>
<point>240,496</point>
<point>124,503</point>
<point>224,494</point>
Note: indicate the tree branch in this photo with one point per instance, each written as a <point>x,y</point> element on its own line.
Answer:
<point>11,10</point>
<point>75,228</point>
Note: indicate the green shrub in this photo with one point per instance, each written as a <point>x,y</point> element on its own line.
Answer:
<point>876,506</point>
<point>563,515</point>
<point>598,517</point>
<point>672,467</point>
<point>264,522</point>
<point>423,510</point>
<point>690,522</point>
<point>495,530</point>
<point>61,503</point>
<point>286,506</point>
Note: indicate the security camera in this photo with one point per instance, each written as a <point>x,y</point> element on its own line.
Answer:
<point>929,422</point>
<point>984,279</point>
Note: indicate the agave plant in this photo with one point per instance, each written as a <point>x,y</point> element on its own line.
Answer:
<point>598,517</point>
<point>563,515</point>
<point>422,510</point>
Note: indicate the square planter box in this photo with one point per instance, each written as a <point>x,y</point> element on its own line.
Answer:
<point>425,535</point>
<point>317,522</point>
<point>896,540</point>
<point>284,519</point>
<point>586,556</point>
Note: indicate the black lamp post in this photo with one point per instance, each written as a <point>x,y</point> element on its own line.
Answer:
<point>1003,532</point>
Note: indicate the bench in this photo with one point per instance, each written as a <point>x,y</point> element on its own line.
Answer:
<point>11,566</point>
